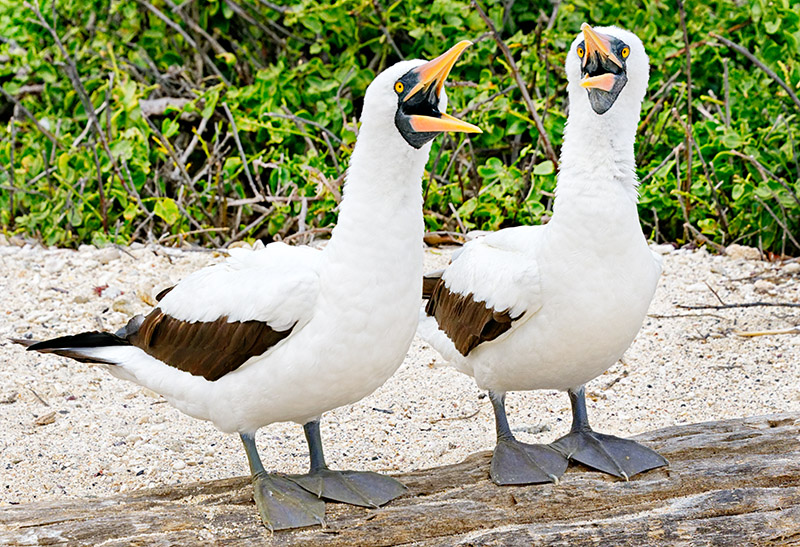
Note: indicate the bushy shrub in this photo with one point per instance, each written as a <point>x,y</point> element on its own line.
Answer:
<point>262,100</point>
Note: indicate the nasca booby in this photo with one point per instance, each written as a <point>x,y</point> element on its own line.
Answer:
<point>554,306</point>
<point>287,333</point>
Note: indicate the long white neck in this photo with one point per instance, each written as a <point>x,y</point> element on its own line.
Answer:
<point>597,181</point>
<point>380,216</point>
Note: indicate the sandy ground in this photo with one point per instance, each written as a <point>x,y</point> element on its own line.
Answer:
<point>69,429</point>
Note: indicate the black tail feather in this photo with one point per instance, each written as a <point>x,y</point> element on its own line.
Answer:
<point>84,340</point>
<point>69,346</point>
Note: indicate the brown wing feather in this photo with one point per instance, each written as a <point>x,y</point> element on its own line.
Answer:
<point>467,322</point>
<point>429,282</point>
<point>208,349</point>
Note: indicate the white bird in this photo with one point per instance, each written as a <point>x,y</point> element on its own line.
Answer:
<point>554,306</point>
<point>287,333</point>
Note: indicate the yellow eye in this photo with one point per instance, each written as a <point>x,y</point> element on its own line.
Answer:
<point>399,87</point>
<point>580,52</point>
<point>625,52</point>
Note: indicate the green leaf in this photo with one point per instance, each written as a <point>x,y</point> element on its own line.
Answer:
<point>167,210</point>
<point>169,127</point>
<point>772,26</point>
<point>544,168</point>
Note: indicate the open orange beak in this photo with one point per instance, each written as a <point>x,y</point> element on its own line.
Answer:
<point>596,42</point>
<point>434,73</point>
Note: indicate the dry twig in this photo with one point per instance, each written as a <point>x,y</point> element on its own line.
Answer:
<point>548,148</point>
<point>742,305</point>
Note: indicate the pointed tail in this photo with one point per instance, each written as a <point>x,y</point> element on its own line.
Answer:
<point>77,346</point>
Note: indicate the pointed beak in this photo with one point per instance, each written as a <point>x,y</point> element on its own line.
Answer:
<point>604,82</point>
<point>598,44</point>
<point>432,76</point>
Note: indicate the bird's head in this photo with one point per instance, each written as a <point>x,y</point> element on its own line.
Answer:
<point>409,96</point>
<point>609,66</point>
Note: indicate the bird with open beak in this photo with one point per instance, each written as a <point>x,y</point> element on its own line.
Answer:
<point>554,306</point>
<point>288,333</point>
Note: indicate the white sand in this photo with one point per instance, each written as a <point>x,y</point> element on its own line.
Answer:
<point>109,436</point>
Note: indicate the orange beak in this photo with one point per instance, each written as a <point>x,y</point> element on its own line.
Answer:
<point>432,73</point>
<point>604,82</point>
<point>596,42</point>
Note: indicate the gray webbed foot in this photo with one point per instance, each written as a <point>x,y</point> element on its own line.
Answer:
<point>363,488</point>
<point>514,462</point>
<point>282,504</point>
<point>622,458</point>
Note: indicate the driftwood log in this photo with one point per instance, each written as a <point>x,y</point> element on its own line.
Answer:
<point>734,482</point>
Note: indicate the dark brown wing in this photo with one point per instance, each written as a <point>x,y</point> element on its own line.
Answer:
<point>429,281</point>
<point>208,349</point>
<point>466,322</point>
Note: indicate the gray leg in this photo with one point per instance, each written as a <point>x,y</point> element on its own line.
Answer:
<point>363,488</point>
<point>514,462</point>
<point>619,457</point>
<point>281,503</point>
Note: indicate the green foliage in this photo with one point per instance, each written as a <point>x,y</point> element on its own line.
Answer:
<point>292,80</point>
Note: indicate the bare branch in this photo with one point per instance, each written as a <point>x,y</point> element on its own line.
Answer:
<point>382,25</point>
<point>743,305</point>
<point>548,148</point>
<point>30,116</point>
<point>687,185</point>
<point>753,59</point>
<point>242,155</point>
<point>72,73</point>
<point>298,119</point>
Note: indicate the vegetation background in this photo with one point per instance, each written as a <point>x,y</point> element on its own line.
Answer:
<point>212,121</point>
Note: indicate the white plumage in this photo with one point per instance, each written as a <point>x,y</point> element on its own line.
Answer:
<point>361,289</point>
<point>287,333</point>
<point>578,287</point>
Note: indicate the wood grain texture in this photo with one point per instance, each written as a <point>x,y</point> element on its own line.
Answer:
<point>735,482</point>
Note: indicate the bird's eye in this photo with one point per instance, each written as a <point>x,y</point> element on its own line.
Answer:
<point>399,87</point>
<point>580,52</point>
<point>625,52</point>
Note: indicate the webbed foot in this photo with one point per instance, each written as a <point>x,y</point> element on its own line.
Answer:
<point>363,488</point>
<point>282,504</point>
<point>622,458</point>
<point>514,462</point>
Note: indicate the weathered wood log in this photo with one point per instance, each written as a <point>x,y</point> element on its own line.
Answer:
<point>735,482</point>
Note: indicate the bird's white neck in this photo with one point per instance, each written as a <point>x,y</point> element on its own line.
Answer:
<point>597,157</point>
<point>381,209</point>
<point>597,184</point>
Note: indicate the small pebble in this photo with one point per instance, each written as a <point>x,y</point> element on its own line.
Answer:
<point>46,419</point>
<point>53,265</point>
<point>792,268</point>
<point>106,255</point>
<point>738,252</point>
<point>124,306</point>
<point>764,286</point>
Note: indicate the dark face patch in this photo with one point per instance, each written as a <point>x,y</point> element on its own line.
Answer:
<point>423,103</point>
<point>596,65</point>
